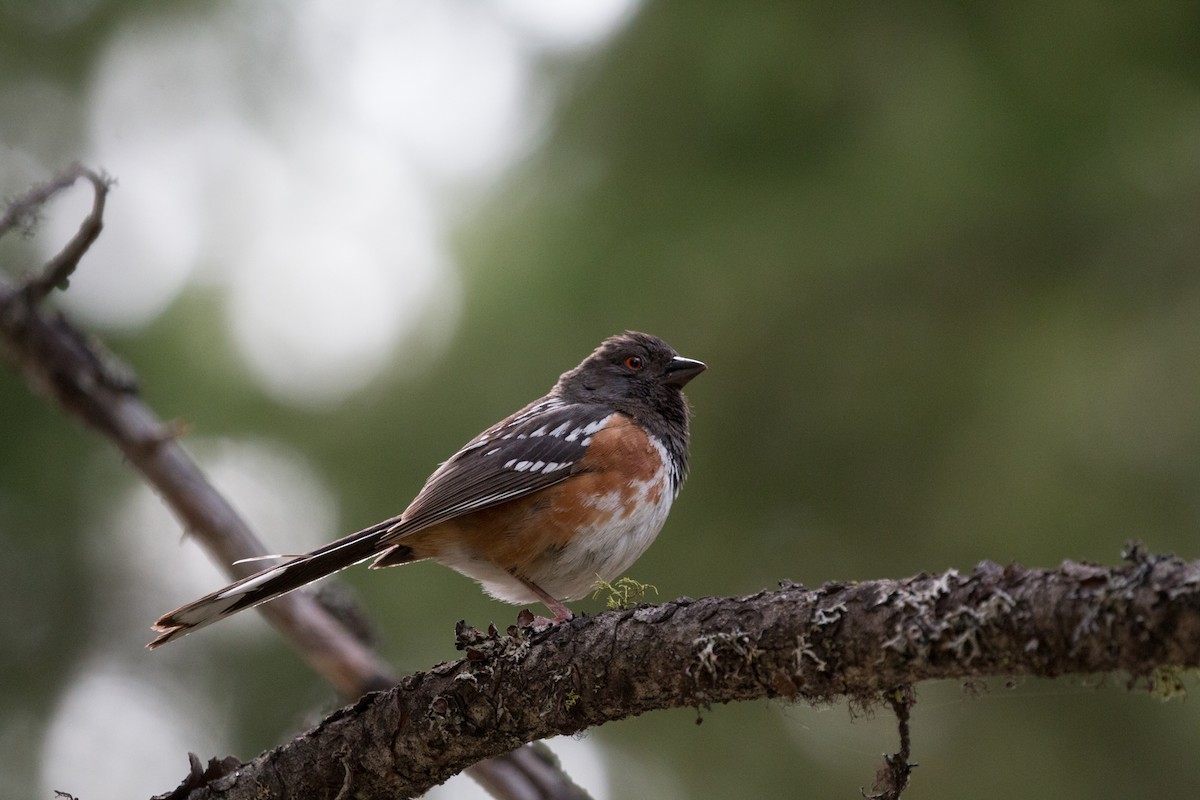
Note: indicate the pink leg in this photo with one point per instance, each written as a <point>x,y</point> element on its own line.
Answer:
<point>561,612</point>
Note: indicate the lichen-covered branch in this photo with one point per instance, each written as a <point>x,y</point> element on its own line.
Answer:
<point>859,641</point>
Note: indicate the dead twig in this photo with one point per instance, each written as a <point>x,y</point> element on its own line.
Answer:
<point>892,778</point>
<point>24,211</point>
<point>87,382</point>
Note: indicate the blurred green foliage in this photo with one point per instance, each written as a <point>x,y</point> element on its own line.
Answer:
<point>941,259</point>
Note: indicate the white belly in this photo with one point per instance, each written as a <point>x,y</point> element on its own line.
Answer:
<point>601,553</point>
<point>598,552</point>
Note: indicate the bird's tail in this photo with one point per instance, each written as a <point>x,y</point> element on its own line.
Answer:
<point>273,582</point>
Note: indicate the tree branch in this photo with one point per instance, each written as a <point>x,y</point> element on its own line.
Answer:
<point>856,641</point>
<point>89,383</point>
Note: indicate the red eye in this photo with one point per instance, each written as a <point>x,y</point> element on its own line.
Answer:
<point>634,363</point>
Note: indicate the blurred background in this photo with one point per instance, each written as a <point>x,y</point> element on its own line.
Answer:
<point>941,260</point>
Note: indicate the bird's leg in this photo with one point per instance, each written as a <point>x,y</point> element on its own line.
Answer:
<point>561,612</point>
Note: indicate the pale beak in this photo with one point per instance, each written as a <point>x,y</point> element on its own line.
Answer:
<point>681,370</point>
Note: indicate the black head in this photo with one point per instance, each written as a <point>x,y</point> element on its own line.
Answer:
<point>642,376</point>
<point>635,373</point>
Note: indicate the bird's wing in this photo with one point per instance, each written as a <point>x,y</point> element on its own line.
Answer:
<point>536,448</point>
<point>539,446</point>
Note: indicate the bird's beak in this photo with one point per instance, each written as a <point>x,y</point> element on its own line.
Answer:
<point>681,370</point>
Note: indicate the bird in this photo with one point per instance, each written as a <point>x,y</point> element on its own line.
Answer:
<point>572,488</point>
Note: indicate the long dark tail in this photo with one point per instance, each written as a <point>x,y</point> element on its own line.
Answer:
<point>272,582</point>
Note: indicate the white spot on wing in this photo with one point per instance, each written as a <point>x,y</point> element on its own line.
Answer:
<point>586,431</point>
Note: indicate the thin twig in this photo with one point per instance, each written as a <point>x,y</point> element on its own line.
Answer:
<point>23,211</point>
<point>893,775</point>
<point>58,270</point>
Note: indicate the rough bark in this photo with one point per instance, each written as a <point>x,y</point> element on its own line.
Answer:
<point>864,641</point>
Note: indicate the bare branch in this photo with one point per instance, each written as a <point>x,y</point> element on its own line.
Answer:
<point>852,641</point>
<point>89,383</point>
<point>58,270</point>
<point>530,771</point>
<point>64,365</point>
<point>22,212</point>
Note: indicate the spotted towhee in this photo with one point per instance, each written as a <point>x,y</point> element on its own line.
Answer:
<point>572,487</point>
